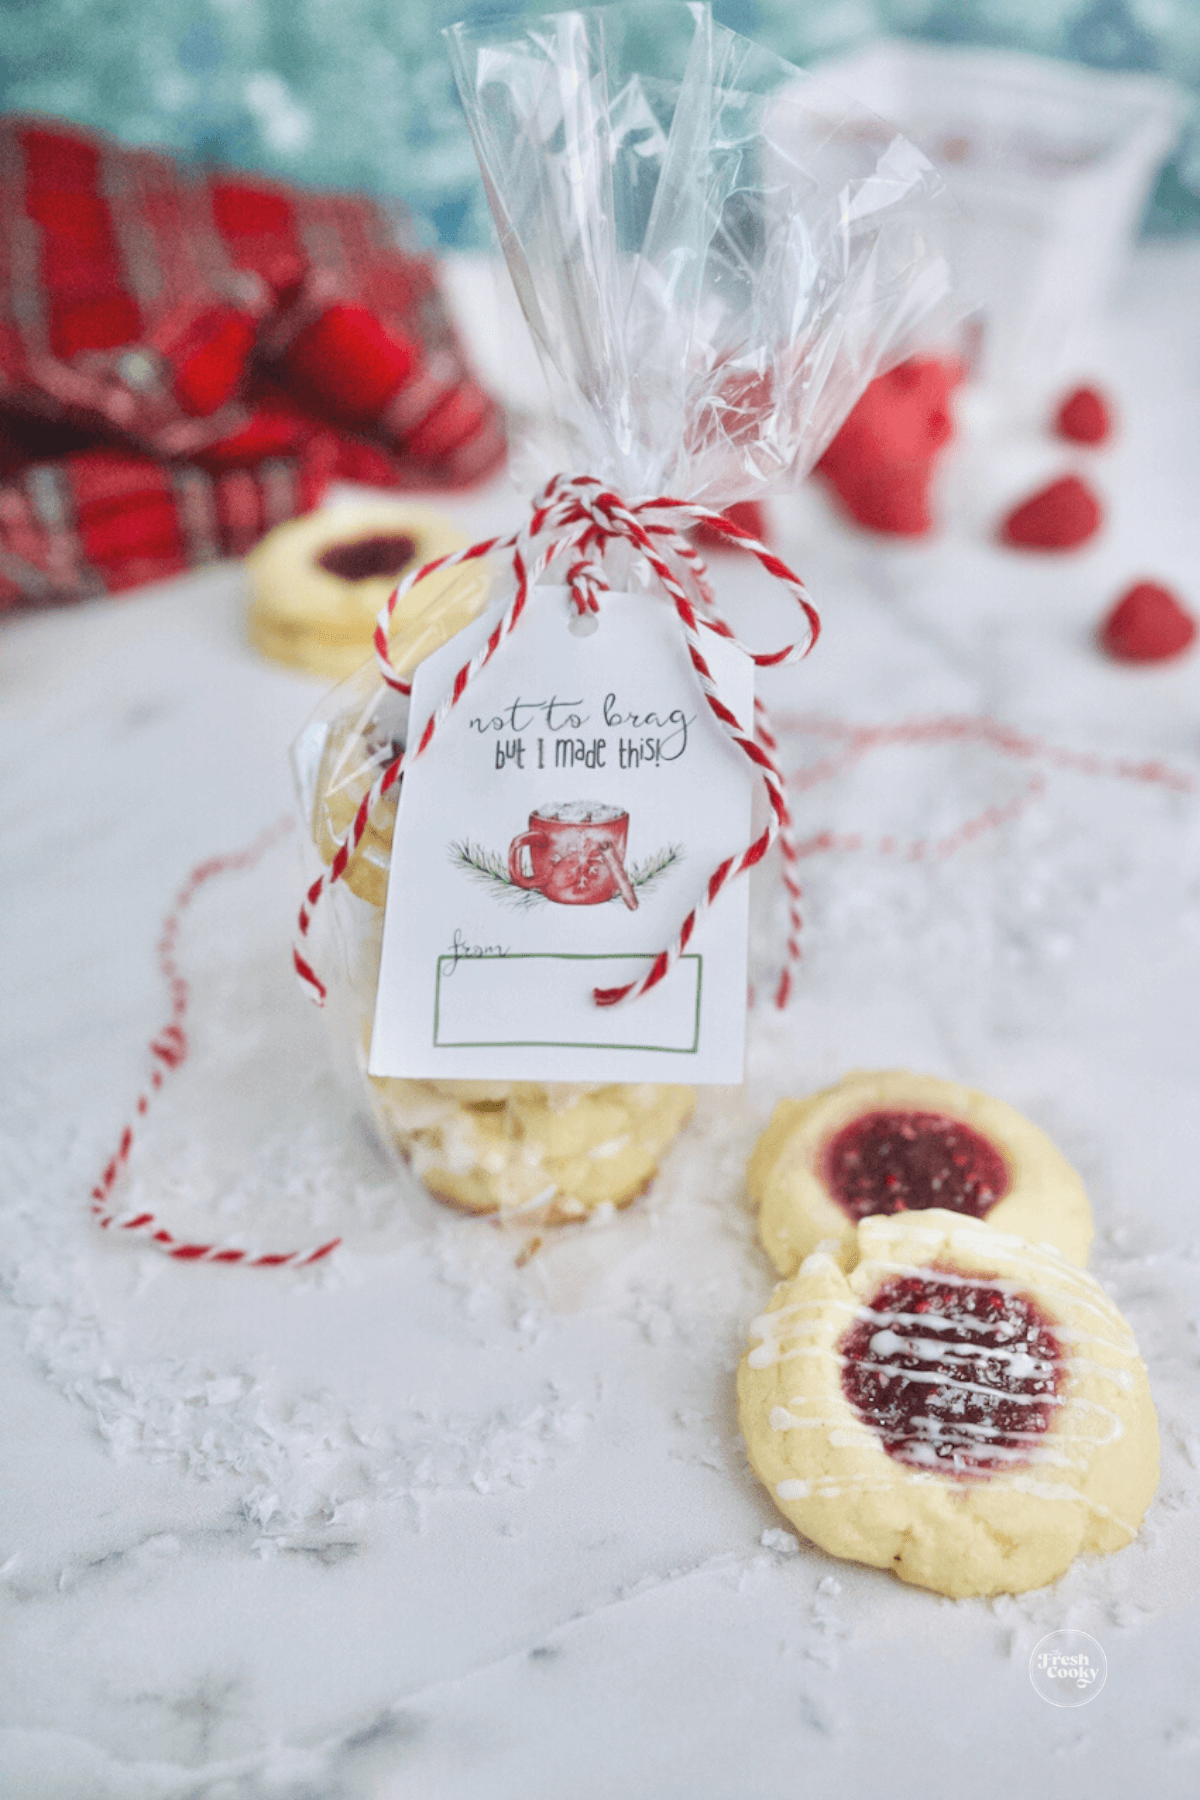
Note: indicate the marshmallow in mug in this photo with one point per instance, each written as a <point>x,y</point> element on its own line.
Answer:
<point>581,812</point>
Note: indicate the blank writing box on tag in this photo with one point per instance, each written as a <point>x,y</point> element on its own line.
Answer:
<point>521,998</point>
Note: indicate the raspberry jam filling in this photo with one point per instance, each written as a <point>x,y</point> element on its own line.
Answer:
<point>384,554</point>
<point>890,1162</point>
<point>955,1375</point>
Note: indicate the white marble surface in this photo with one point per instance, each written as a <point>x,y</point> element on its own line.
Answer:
<point>426,1523</point>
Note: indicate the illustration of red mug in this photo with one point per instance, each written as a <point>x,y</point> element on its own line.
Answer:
<point>574,855</point>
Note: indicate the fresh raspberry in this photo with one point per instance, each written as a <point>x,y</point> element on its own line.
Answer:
<point>1084,417</point>
<point>1147,624</point>
<point>1059,517</point>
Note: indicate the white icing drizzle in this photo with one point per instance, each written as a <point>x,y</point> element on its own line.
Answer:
<point>781,1418</point>
<point>1045,1490</point>
<point>1047,1448</point>
<point>804,1328</point>
<point>1058,1282</point>
<point>979,1376</point>
<point>611,1147</point>
<point>940,1380</point>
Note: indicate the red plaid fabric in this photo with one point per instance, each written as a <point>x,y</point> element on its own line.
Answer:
<point>182,357</point>
<point>103,520</point>
<point>120,310</point>
<point>362,338</point>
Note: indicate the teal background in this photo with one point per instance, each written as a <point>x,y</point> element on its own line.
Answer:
<point>358,93</point>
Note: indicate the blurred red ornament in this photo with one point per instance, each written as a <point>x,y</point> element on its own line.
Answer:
<point>749,514</point>
<point>881,462</point>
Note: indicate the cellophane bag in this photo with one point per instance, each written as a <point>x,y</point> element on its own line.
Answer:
<point>715,254</point>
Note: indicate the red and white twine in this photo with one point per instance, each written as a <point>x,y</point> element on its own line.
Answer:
<point>578,517</point>
<point>169,1051</point>
<point>850,742</point>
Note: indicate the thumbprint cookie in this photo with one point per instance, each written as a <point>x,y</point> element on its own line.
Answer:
<point>317,585</point>
<point>952,1403</point>
<point>890,1142</point>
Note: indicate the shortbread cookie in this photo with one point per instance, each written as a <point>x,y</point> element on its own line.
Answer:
<point>355,754</point>
<point>554,1152</point>
<point>888,1142</point>
<point>950,1402</point>
<point>317,585</point>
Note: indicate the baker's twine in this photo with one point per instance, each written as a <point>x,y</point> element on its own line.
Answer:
<point>169,1051</point>
<point>169,1048</point>
<point>577,517</point>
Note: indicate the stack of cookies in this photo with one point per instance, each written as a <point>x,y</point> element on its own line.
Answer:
<point>549,1152</point>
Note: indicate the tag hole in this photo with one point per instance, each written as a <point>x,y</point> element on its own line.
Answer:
<point>583,624</point>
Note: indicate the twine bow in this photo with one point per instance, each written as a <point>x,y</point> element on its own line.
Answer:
<point>578,518</point>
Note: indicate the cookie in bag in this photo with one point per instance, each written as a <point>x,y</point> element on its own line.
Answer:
<point>555,1150</point>
<point>550,1151</point>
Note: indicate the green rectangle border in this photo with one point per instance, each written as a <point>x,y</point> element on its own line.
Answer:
<point>561,1043</point>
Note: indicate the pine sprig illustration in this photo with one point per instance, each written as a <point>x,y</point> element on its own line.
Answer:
<point>644,876</point>
<point>491,870</point>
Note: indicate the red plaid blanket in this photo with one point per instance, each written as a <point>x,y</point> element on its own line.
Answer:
<point>186,360</point>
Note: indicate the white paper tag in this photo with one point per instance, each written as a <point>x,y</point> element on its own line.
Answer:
<point>563,821</point>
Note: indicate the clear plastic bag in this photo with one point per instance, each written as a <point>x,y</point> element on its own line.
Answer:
<point>543,1151</point>
<point>715,252</point>
<point>715,256</point>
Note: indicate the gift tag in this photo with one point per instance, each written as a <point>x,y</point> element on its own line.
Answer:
<point>562,822</point>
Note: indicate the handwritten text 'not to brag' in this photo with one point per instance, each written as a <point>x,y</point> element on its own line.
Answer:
<point>656,736</point>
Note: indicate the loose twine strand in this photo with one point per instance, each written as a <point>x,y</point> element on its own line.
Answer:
<point>169,1049</point>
